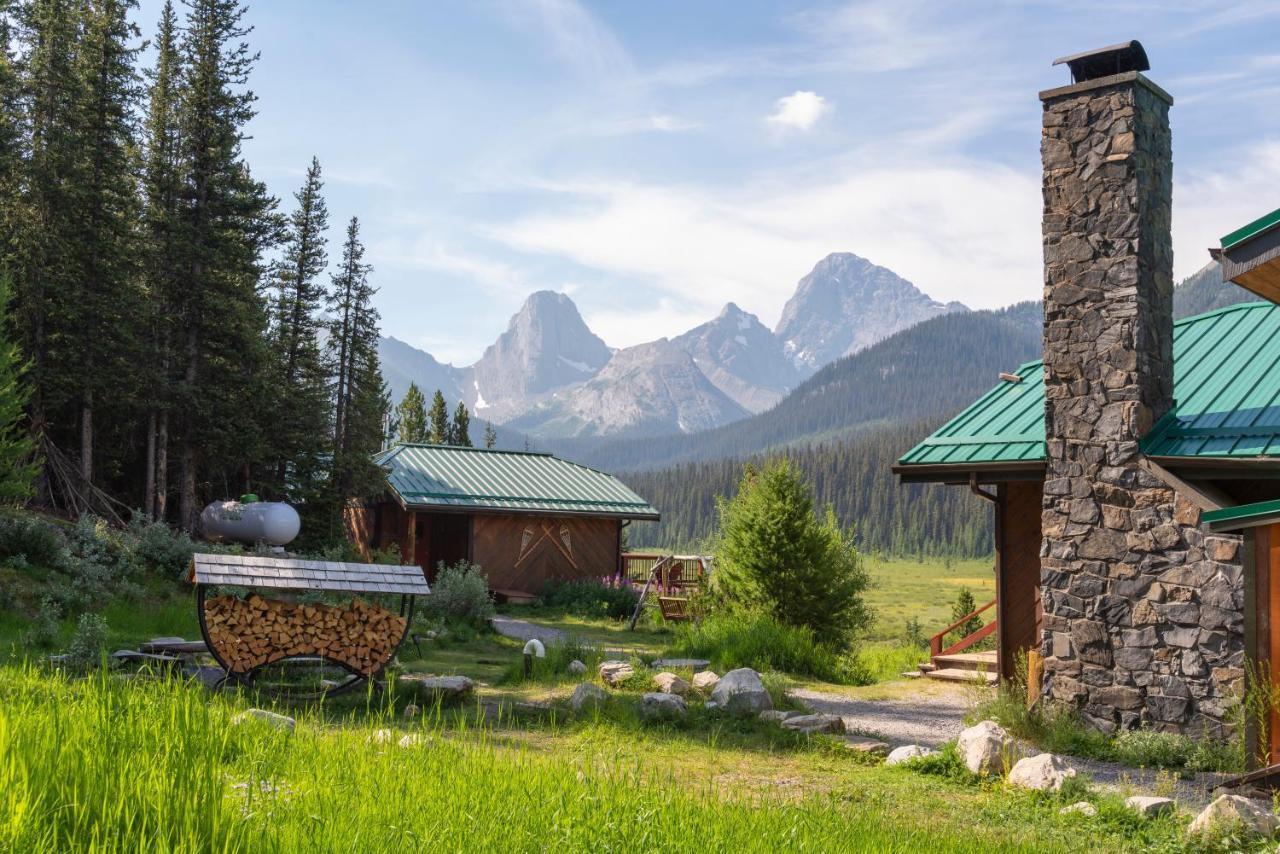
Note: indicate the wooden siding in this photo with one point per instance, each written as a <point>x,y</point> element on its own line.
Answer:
<point>522,553</point>
<point>1018,537</point>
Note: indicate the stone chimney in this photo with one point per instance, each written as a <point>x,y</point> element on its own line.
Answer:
<point>1123,569</point>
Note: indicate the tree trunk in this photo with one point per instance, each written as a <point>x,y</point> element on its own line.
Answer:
<point>187,490</point>
<point>162,466</point>
<point>86,437</point>
<point>149,479</point>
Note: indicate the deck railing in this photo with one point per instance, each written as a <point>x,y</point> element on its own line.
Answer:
<point>935,642</point>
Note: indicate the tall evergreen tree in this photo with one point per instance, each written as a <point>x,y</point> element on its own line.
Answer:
<point>300,431</point>
<point>17,470</point>
<point>349,303</point>
<point>439,429</point>
<point>460,429</point>
<point>411,417</point>
<point>226,220</point>
<point>11,139</point>
<point>490,435</point>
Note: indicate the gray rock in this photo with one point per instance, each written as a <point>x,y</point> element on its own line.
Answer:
<point>659,706</point>
<point>813,724</point>
<point>778,715</point>
<point>283,722</point>
<point>430,689</point>
<point>908,752</point>
<point>1150,806</point>
<point>577,668</point>
<point>1255,816</point>
<point>669,683</point>
<point>1044,773</point>
<point>740,692</point>
<point>411,711</point>
<point>694,664</point>
<point>870,746</point>
<point>706,680</point>
<point>1083,808</point>
<point>985,748</point>
<point>587,695</point>
<point>616,672</point>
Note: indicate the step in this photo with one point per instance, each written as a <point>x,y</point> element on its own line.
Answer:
<point>928,667</point>
<point>967,661</point>
<point>949,674</point>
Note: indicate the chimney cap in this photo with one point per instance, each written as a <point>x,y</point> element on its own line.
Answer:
<point>1105,61</point>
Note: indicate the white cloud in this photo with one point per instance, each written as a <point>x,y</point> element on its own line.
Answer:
<point>1210,203</point>
<point>422,253</point>
<point>656,123</point>
<point>575,35</point>
<point>800,110</point>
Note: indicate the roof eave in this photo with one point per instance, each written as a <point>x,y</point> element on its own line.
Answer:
<point>650,515</point>
<point>959,473</point>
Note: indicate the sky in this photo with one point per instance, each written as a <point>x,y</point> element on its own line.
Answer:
<point>657,160</point>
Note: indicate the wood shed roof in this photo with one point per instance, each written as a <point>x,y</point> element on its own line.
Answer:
<point>295,574</point>
<point>1226,386</point>
<point>452,478</point>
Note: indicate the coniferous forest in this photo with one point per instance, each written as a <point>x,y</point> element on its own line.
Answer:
<point>186,336</point>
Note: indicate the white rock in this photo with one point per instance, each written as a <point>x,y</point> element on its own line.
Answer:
<point>1255,816</point>
<point>1083,808</point>
<point>740,692</point>
<point>813,724</point>
<point>381,736</point>
<point>669,683</point>
<point>615,672</point>
<point>411,740</point>
<point>1044,773</point>
<point>706,680</point>
<point>906,753</point>
<point>777,716</point>
<point>1150,806</point>
<point>985,748</point>
<point>586,695</point>
<point>657,705</point>
<point>577,668</point>
<point>278,721</point>
<point>431,688</point>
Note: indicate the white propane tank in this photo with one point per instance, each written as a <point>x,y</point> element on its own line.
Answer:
<point>272,522</point>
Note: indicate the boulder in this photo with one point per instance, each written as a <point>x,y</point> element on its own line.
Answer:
<point>429,689</point>
<point>271,718</point>
<point>614,673</point>
<point>669,683</point>
<point>908,752</point>
<point>409,741</point>
<point>1044,773</point>
<point>577,668</point>
<point>1254,816</point>
<point>740,692</point>
<point>587,695</point>
<point>777,716</point>
<point>706,680</point>
<point>1150,806</point>
<point>1083,808</point>
<point>694,664</point>
<point>411,711</point>
<point>869,746</point>
<point>663,707</point>
<point>985,748</point>
<point>813,724</point>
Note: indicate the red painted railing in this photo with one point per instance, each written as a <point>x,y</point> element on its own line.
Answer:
<point>935,642</point>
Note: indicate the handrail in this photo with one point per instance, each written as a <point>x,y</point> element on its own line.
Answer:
<point>935,642</point>
<point>965,643</point>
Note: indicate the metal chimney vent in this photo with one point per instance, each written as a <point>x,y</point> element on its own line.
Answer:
<point>1106,61</point>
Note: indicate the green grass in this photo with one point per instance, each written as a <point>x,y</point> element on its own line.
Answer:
<point>121,766</point>
<point>904,588</point>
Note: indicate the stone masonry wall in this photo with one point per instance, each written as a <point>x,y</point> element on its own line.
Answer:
<point>1143,614</point>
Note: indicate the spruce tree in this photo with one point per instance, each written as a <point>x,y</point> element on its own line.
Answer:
<point>353,325</point>
<point>460,430</point>
<point>439,429</point>
<point>963,607</point>
<point>411,417</point>
<point>17,467</point>
<point>490,435</point>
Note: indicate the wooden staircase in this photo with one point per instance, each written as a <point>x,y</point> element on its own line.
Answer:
<point>953,664</point>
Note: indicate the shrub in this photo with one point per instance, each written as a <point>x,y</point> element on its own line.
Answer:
<point>89,641</point>
<point>461,593</point>
<point>159,549</point>
<point>763,642</point>
<point>775,555</point>
<point>591,597</point>
<point>45,627</point>
<point>38,542</point>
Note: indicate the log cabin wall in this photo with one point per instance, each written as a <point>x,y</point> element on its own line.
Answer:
<point>522,553</point>
<point>1018,571</point>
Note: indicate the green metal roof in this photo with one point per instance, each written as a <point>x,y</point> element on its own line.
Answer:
<point>1226,384</point>
<point>1244,516</point>
<point>1253,229</point>
<point>454,478</point>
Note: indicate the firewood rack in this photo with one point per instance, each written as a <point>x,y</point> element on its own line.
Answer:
<point>248,633</point>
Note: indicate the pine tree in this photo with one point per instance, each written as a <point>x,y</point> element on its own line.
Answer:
<point>439,430</point>
<point>301,424</point>
<point>227,220</point>
<point>460,430</point>
<point>411,417</point>
<point>963,607</point>
<point>349,302</point>
<point>17,469</point>
<point>490,435</point>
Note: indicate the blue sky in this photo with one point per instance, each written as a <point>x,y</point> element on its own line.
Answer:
<point>655,160</point>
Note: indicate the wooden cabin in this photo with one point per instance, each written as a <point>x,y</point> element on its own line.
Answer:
<point>525,518</point>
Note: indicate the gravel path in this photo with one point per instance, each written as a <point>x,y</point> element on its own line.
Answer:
<point>937,715</point>
<point>524,630</point>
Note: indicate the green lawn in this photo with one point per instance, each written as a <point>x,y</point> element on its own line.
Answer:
<point>904,588</point>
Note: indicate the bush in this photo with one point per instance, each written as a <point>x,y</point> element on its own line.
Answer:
<point>159,549</point>
<point>89,641</point>
<point>45,627</point>
<point>774,555</point>
<point>591,597</point>
<point>38,543</point>
<point>763,642</point>
<point>461,594</point>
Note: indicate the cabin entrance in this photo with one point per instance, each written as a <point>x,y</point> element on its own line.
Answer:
<point>441,538</point>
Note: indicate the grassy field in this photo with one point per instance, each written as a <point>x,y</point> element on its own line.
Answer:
<point>144,765</point>
<point>924,589</point>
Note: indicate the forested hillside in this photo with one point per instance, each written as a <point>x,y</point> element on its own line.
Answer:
<point>854,477</point>
<point>899,380</point>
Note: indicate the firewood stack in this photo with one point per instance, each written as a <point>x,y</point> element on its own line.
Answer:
<point>251,632</point>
